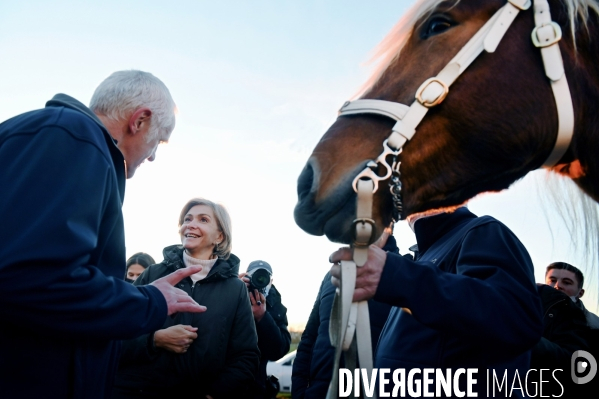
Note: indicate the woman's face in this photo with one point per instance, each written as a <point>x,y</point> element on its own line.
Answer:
<point>134,271</point>
<point>199,232</point>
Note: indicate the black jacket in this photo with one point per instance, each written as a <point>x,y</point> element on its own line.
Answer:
<point>274,339</point>
<point>63,301</point>
<point>220,362</point>
<point>313,364</point>
<point>469,301</point>
<point>564,330</point>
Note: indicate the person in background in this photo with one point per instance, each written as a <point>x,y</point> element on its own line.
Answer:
<point>565,331</point>
<point>314,361</point>
<point>136,264</point>
<point>209,355</point>
<point>270,318</point>
<point>569,279</point>
<point>63,302</point>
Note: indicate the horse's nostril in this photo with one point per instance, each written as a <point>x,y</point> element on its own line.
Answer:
<point>305,181</point>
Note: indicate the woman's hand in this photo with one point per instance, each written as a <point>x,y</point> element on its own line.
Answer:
<point>175,339</point>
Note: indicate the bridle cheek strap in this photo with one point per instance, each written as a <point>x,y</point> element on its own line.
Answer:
<point>546,36</point>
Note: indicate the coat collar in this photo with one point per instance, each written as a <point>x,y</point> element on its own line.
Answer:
<point>430,229</point>
<point>173,257</point>
<point>63,100</point>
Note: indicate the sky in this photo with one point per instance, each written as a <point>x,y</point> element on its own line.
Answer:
<point>257,83</point>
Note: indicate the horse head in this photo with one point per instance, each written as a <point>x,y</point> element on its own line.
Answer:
<point>498,121</point>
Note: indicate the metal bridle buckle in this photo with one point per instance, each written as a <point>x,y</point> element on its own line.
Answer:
<point>369,171</point>
<point>440,97</point>
<point>557,35</point>
<point>354,231</point>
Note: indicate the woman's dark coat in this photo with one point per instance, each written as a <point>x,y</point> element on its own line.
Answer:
<point>220,362</point>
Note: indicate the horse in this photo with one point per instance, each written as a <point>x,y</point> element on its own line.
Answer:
<point>497,122</point>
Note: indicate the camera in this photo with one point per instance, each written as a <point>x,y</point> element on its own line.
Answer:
<point>259,279</point>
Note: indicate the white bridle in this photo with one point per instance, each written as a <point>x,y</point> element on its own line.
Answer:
<point>347,317</point>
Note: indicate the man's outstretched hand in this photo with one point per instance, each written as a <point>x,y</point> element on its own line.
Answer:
<point>177,300</point>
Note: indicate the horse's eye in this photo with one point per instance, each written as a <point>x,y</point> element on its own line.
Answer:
<point>436,25</point>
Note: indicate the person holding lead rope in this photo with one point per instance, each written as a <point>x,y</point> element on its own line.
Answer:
<point>468,300</point>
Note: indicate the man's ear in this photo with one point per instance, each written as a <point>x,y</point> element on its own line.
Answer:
<point>581,293</point>
<point>139,120</point>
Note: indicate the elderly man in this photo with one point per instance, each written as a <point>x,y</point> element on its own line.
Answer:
<point>62,296</point>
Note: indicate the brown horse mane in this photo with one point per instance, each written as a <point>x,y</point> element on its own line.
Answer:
<point>387,51</point>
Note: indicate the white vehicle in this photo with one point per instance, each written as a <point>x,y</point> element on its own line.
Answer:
<point>282,370</point>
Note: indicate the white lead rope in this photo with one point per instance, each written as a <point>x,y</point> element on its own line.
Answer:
<point>351,319</point>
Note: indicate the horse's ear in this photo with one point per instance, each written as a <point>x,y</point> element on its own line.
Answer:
<point>573,169</point>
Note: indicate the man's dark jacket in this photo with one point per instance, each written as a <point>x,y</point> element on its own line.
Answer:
<point>565,331</point>
<point>314,361</point>
<point>63,300</point>
<point>221,361</point>
<point>468,301</point>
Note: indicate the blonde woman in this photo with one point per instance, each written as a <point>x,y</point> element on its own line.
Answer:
<point>213,354</point>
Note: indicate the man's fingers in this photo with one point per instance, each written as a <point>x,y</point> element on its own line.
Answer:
<point>180,274</point>
<point>185,303</point>
<point>336,270</point>
<point>191,307</point>
<point>383,238</point>
<point>335,281</point>
<point>260,299</point>
<point>182,297</point>
<point>344,253</point>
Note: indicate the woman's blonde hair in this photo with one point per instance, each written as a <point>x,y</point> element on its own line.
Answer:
<point>223,221</point>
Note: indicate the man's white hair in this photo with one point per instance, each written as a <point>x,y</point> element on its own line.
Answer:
<point>124,92</point>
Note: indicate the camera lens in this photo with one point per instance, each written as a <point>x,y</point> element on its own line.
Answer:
<point>260,278</point>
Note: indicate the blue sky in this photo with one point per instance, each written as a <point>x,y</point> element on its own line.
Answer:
<point>257,83</point>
